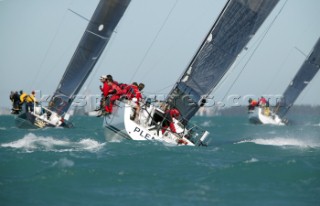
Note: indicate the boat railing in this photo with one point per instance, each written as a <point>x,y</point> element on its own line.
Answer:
<point>46,114</point>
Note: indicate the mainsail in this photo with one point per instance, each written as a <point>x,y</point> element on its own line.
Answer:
<point>236,24</point>
<point>95,38</point>
<point>307,71</point>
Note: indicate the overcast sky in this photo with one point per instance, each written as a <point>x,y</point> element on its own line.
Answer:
<point>153,43</point>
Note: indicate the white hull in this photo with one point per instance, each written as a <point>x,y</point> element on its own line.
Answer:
<point>41,117</point>
<point>114,123</point>
<point>257,116</point>
<point>144,127</point>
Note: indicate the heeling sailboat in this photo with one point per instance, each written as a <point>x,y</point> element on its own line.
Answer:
<point>307,71</point>
<point>237,23</point>
<point>95,38</point>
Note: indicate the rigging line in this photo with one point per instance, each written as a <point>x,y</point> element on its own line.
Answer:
<point>276,76</point>
<point>160,59</point>
<point>154,40</point>
<point>299,50</point>
<point>259,43</point>
<point>159,90</point>
<point>49,48</point>
<point>79,15</point>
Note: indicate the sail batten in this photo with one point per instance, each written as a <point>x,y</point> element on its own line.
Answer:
<point>95,38</point>
<point>307,71</point>
<point>235,26</point>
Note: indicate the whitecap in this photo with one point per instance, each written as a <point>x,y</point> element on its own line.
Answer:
<point>64,163</point>
<point>252,160</point>
<point>281,141</point>
<point>206,124</point>
<point>91,145</point>
<point>32,142</point>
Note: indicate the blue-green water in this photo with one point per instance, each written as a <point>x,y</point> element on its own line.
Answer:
<point>244,164</point>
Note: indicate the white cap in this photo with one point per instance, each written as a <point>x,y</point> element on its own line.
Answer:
<point>103,77</point>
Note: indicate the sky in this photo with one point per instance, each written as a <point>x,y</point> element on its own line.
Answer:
<point>153,43</point>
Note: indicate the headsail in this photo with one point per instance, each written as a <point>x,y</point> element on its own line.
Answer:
<point>308,70</point>
<point>95,38</point>
<point>238,21</point>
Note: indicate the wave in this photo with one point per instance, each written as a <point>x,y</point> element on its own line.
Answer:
<point>32,142</point>
<point>252,160</point>
<point>281,141</point>
<point>63,163</point>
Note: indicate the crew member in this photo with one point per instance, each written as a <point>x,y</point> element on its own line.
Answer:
<point>133,93</point>
<point>15,98</point>
<point>262,101</point>
<point>27,100</point>
<point>104,88</point>
<point>168,121</point>
<point>252,104</point>
<point>30,101</point>
<point>115,92</point>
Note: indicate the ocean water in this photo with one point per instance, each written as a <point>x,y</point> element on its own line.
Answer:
<point>243,164</point>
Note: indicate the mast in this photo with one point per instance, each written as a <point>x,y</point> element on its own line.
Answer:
<point>235,26</point>
<point>307,71</point>
<point>95,38</point>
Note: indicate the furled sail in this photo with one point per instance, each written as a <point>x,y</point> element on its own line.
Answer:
<point>307,71</point>
<point>95,38</point>
<point>236,24</point>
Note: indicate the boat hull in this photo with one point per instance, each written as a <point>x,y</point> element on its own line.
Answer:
<point>40,119</point>
<point>147,126</point>
<point>142,132</point>
<point>256,116</point>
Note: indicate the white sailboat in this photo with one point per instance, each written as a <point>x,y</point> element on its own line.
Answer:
<point>307,71</point>
<point>237,23</point>
<point>258,116</point>
<point>95,38</point>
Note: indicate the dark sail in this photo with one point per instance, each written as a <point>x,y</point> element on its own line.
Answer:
<point>95,38</point>
<point>237,23</point>
<point>307,71</point>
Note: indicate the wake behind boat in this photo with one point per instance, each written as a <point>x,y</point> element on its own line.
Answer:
<point>95,38</point>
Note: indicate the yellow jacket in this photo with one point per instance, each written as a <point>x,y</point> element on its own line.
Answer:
<point>27,98</point>
<point>23,97</point>
<point>30,98</point>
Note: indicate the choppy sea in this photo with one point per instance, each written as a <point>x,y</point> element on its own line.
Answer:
<point>243,164</point>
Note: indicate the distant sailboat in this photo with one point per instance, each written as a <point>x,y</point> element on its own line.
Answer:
<point>237,23</point>
<point>95,38</point>
<point>307,71</point>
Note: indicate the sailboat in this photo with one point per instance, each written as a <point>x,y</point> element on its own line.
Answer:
<point>95,38</point>
<point>236,24</point>
<point>305,74</point>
